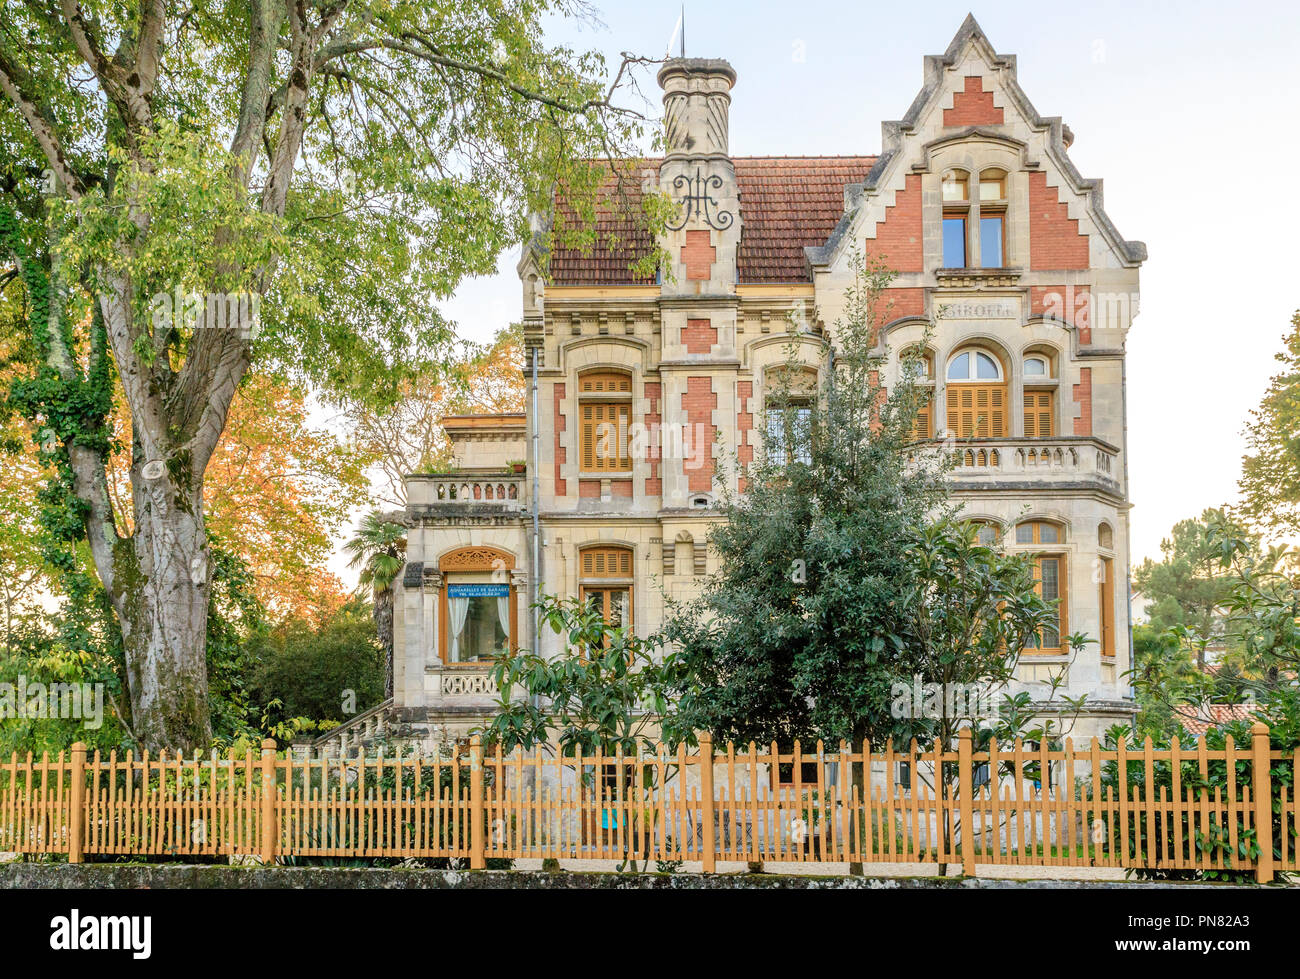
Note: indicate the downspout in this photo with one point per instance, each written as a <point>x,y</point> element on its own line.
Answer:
<point>1128,548</point>
<point>533,465</point>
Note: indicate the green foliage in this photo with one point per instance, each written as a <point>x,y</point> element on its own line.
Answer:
<point>1189,588</point>
<point>843,569</point>
<point>606,690</point>
<point>377,549</point>
<point>1270,470</point>
<point>301,670</point>
<point>1259,606</point>
<point>1214,840</point>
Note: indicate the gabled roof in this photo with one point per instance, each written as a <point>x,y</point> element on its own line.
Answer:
<point>787,203</point>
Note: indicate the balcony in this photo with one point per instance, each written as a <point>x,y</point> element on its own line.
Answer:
<point>1068,462</point>
<point>452,493</point>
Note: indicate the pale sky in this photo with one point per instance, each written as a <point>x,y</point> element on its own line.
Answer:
<point>1187,110</point>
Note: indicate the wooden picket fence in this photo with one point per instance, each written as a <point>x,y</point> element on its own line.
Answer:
<point>1017,805</point>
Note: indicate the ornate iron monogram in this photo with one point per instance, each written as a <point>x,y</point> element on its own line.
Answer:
<point>696,201</point>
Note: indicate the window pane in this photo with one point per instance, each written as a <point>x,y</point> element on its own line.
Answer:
<point>987,536</point>
<point>954,188</point>
<point>801,437</point>
<point>1035,367</point>
<point>1025,533</point>
<point>959,369</point>
<point>1048,534</point>
<point>986,367</point>
<point>478,626</point>
<point>954,243</point>
<point>775,433</point>
<point>991,189</point>
<point>991,242</point>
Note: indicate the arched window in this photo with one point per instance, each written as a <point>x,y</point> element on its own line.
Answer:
<point>605,582</point>
<point>477,609</point>
<point>605,410</point>
<point>788,399</point>
<point>1039,402</point>
<point>1106,587</point>
<point>1050,581</point>
<point>919,363</point>
<point>977,395</point>
<point>987,533</point>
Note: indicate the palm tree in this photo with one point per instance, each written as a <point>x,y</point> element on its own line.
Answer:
<point>379,549</point>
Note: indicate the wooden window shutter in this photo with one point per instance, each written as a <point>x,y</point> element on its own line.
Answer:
<point>924,427</point>
<point>977,410</point>
<point>1040,422</point>
<point>605,382</point>
<point>607,562</point>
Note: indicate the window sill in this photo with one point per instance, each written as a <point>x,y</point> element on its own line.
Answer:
<point>966,277</point>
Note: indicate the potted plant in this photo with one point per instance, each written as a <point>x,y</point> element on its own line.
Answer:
<point>518,466</point>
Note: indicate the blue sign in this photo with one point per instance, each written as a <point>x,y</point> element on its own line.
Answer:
<point>478,591</point>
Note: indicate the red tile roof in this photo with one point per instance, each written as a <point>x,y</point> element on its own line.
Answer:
<point>786,204</point>
<point>1199,719</point>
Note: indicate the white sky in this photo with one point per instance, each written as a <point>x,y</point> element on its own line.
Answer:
<point>1188,110</point>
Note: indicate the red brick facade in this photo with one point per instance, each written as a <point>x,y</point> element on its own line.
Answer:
<point>898,236</point>
<point>698,255</point>
<point>973,107</point>
<point>1083,398</point>
<point>698,402</point>
<point>1054,239</point>
<point>699,336</point>
<point>744,426</point>
<point>561,454</point>
<point>654,394</point>
<point>1072,303</point>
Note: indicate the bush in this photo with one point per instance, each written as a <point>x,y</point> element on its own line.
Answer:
<point>310,668</point>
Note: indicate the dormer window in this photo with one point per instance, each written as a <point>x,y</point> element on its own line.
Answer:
<point>975,219</point>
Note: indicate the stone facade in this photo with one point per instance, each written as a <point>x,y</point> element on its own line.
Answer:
<point>997,241</point>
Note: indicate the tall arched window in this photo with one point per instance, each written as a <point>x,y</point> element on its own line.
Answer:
<point>1047,539</point>
<point>1039,396</point>
<point>605,582</point>
<point>1106,585</point>
<point>977,395</point>
<point>477,611</point>
<point>605,412</point>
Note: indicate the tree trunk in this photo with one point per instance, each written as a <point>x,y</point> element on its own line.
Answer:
<point>160,590</point>
<point>384,627</point>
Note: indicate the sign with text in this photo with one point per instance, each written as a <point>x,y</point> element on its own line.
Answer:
<point>478,591</point>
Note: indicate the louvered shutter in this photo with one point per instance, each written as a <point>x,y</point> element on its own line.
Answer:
<point>1039,420</point>
<point>977,410</point>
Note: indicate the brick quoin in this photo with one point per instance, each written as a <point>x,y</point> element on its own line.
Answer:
<point>973,106</point>
<point>561,454</point>
<point>589,489</point>
<point>1054,239</point>
<point>699,401</point>
<point>898,237</point>
<point>1071,301</point>
<point>699,336</point>
<point>621,487</point>
<point>744,425</point>
<point>653,484</point>
<point>1083,398</point>
<point>698,255</point>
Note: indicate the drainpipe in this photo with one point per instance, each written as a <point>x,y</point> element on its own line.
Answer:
<point>534,463</point>
<point>1128,550</point>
